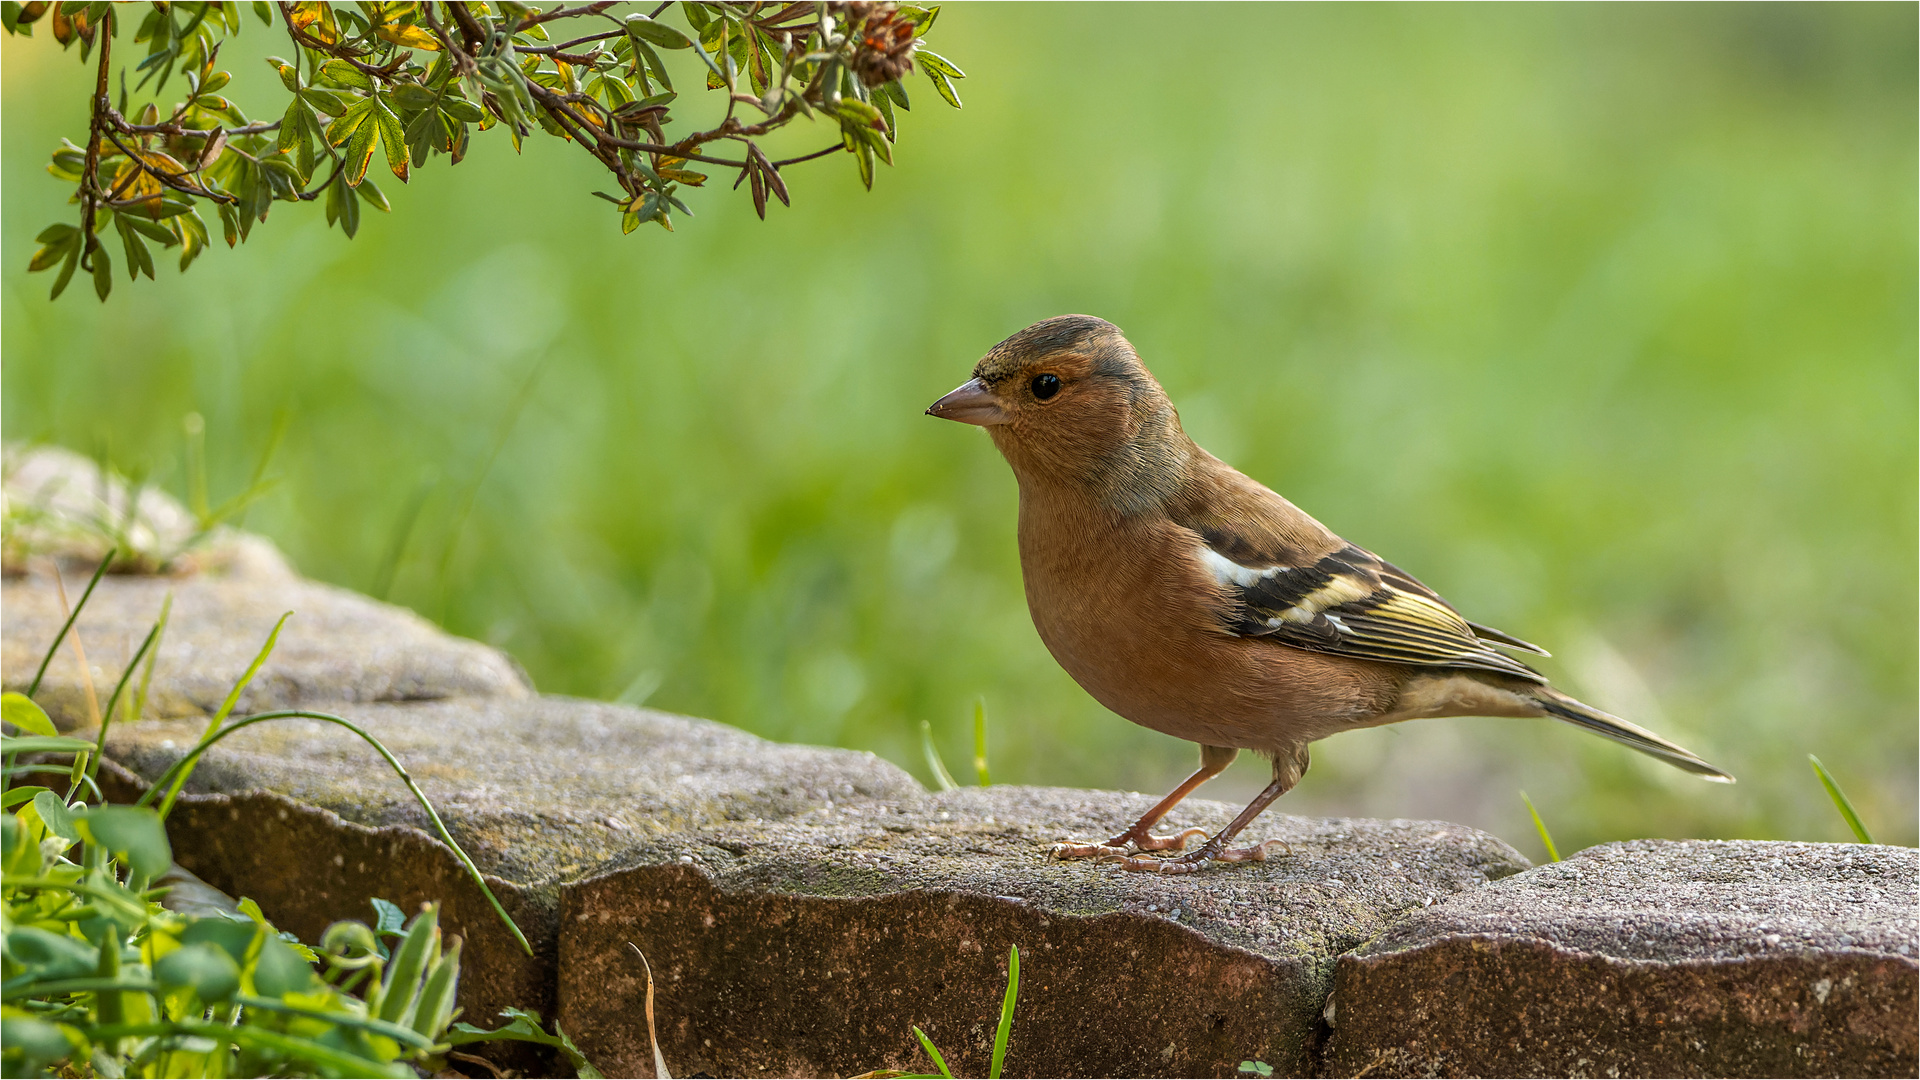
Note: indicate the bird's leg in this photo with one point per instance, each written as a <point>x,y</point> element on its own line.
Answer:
<point>1287,771</point>
<point>1213,760</point>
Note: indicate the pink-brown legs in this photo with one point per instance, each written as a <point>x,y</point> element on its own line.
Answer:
<point>1287,771</point>
<point>1213,760</point>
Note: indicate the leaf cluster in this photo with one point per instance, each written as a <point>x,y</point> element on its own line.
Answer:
<point>405,83</point>
<point>98,978</point>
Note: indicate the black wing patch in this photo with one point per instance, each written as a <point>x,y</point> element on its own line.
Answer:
<point>1354,604</point>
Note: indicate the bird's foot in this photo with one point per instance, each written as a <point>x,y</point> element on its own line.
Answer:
<point>1125,844</point>
<point>1193,861</point>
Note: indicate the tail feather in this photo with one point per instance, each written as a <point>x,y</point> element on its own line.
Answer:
<point>1582,715</point>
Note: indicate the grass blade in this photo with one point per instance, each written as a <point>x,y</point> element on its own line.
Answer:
<point>71,616</point>
<point>92,768</point>
<point>177,774</point>
<point>146,677</point>
<point>226,707</point>
<point>934,1053</point>
<point>1840,801</point>
<point>1005,1030</point>
<point>653,1037</point>
<point>1539,826</point>
<point>980,741</point>
<point>940,774</point>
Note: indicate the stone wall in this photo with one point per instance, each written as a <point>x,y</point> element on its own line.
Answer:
<point>803,908</point>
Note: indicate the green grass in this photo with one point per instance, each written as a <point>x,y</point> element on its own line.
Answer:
<point>1600,320</point>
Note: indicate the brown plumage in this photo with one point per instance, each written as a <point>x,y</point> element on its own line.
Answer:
<point>1195,601</point>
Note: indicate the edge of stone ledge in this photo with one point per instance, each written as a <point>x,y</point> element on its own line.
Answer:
<point>1776,1014</point>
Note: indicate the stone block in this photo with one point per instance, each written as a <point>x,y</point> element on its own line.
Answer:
<point>813,946</point>
<point>1648,958</point>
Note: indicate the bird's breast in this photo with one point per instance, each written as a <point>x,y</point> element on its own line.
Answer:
<point>1126,607</point>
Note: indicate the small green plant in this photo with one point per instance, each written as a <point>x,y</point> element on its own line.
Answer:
<point>1000,1035</point>
<point>937,765</point>
<point>1546,838</point>
<point>1256,1068</point>
<point>113,515</point>
<point>980,741</point>
<point>1840,801</point>
<point>98,978</point>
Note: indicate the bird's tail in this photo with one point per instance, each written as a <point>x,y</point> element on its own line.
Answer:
<point>1582,715</point>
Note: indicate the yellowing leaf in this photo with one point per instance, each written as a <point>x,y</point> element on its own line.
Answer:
<point>411,37</point>
<point>691,179</point>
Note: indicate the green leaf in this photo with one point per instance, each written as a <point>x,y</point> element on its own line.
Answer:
<point>410,962</point>
<point>206,969</point>
<point>349,122</point>
<point>232,936</point>
<point>102,272</point>
<point>1001,1033</point>
<point>374,197</point>
<point>945,88</point>
<point>1840,801</point>
<point>21,711</point>
<point>525,1027</point>
<point>49,955</point>
<point>66,271</point>
<point>654,63</point>
<point>461,109</point>
<point>15,796</point>
<point>1546,838</point>
<point>133,834</point>
<point>934,1053</point>
<point>290,129</point>
<point>931,61</point>
<point>55,816</point>
<point>279,971</point>
<point>394,138</point>
<point>435,1006</point>
<point>643,29</point>
<point>863,156</point>
<point>697,16</point>
<point>339,73</point>
<point>43,744</point>
<point>920,18</point>
<point>413,96</point>
<point>388,918</point>
<point>898,92</point>
<point>138,258</point>
<point>359,152</point>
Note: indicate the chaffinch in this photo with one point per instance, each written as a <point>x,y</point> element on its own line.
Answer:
<point>1195,601</point>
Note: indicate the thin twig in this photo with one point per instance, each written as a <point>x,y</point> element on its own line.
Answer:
<point>90,175</point>
<point>835,148</point>
<point>168,179</point>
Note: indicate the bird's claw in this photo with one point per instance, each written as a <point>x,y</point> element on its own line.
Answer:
<point>1194,861</point>
<point>1125,844</point>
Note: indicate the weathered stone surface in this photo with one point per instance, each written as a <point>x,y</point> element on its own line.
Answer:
<point>307,819</point>
<point>812,946</point>
<point>338,646</point>
<point>1649,958</point>
<point>641,827</point>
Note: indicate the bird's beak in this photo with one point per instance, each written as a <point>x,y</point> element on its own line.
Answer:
<point>970,403</point>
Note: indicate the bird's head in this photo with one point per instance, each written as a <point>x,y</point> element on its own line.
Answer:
<point>1068,401</point>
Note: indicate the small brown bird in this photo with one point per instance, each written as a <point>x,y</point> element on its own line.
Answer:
<point>1197,602</point>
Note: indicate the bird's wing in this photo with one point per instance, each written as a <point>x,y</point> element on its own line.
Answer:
<point>1353,603</point>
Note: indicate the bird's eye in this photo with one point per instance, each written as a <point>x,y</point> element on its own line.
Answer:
<point>1045,386</point>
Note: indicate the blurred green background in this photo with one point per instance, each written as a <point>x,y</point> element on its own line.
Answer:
<point>1600,319</point>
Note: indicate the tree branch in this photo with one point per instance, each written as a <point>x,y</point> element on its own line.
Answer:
<point>90,175</point>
